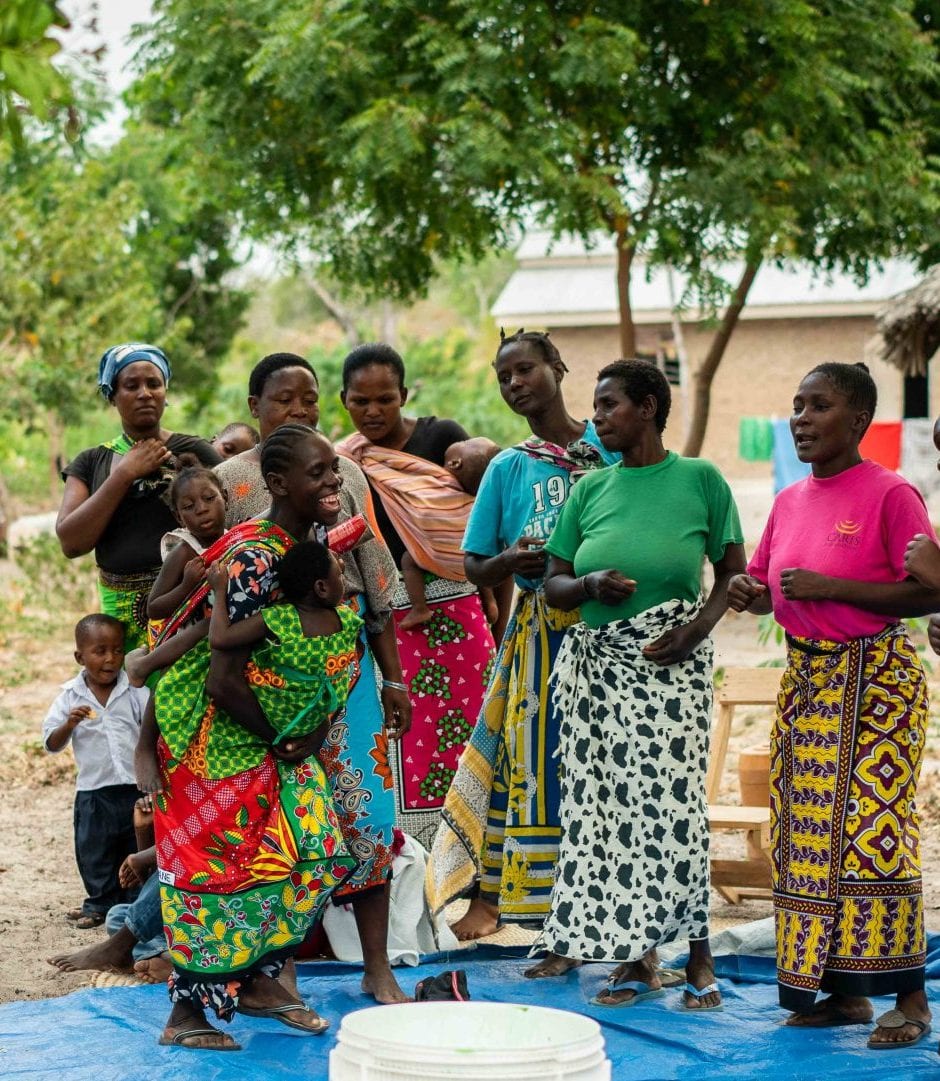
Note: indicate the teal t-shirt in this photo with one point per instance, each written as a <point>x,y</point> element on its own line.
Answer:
<point>520,495</point>
<point>654,524</point>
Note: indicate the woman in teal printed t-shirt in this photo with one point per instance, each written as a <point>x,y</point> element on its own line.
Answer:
<point>633,687</point>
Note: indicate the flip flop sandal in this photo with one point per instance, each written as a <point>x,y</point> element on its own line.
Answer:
<point>640,991</point>
<point>282,1014</point>
<point>74,914</point>
<point>89,920</point>
<point>179,1040</point>
<point>691,989</point>
<point>896,1019</point>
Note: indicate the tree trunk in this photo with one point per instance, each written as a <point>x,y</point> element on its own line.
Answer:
<point>338,312</point>
<point>625,252</point>
<point>701,400</point>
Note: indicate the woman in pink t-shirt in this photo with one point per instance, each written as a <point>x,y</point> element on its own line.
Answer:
<point>847,744</point>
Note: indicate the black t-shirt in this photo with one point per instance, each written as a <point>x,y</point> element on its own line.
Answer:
<point>429,441</point>
<point>131,542</point>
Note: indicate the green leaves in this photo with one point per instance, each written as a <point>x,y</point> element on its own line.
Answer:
<point>28,78</point>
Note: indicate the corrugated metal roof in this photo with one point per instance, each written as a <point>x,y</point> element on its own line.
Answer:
<point>567,284</point>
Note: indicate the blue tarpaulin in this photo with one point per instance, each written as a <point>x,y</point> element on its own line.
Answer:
<point>109,1034</point>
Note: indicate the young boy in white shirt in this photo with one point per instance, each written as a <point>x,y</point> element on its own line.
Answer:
<point>99,714</point>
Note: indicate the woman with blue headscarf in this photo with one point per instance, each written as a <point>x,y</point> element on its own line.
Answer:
<point>114,493</point>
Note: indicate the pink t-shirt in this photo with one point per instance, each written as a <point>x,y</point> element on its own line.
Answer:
<point>853,525</point>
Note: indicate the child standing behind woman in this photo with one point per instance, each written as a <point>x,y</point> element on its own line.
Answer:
<point>99,714</point>
<point>198,501</point>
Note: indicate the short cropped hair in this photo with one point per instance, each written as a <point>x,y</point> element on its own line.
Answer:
<point>639,379</point>
<point>275,362</point>
<point>84,626</point>
<point>306,563</point>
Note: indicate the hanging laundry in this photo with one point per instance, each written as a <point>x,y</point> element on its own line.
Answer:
<point>882,443</point>
<point>787,467</point>
<point>756,439</point>
<point>919,455</point>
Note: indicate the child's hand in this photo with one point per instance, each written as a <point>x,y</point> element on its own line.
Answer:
<point>79,714</point>
<point>217,577</point>
<point>193,572</point>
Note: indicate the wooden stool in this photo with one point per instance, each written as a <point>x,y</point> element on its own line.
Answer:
<point>750,877</point>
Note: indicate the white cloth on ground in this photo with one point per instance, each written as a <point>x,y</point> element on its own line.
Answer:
<point>411,930</point>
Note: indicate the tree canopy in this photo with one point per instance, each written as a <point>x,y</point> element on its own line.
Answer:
<point>29,77</point>
<point>389,135</point>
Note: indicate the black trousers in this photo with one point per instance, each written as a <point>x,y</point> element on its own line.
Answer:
<point>104,837</point>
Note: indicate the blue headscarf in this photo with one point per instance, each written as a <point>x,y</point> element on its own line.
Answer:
<point>119,356</point>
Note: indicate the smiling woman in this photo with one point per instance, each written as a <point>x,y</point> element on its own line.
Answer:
<point>114,493</point>
<point>248,846</point>
<point>847,745</point>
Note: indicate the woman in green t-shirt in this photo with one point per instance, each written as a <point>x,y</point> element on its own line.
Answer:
<point>633,688</point>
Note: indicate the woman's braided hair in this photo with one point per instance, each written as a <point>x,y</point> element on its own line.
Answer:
<point>538,339</point>
<point>277,451</point>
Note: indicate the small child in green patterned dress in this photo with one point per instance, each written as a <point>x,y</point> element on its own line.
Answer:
<point>304,648</point>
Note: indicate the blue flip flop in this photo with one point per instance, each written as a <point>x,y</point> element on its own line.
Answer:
<point>640,991</point>
<point>691,989</point>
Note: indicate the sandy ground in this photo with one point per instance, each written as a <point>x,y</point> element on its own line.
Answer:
<point>38,879</point>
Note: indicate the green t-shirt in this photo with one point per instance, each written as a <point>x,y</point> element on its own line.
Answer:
<point>654,524</point>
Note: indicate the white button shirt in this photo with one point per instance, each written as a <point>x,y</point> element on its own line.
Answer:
<point>103,744</point>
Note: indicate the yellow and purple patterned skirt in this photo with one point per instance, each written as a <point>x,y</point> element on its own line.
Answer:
<point>846,752</point>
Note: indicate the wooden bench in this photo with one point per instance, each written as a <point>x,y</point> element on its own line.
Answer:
<point>744,878</point>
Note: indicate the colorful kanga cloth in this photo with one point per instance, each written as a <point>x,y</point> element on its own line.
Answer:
<point>424,503</point>
<point>846,752</point>
<point>503,802</point>
<point>500,823</point>
<point>248,848</point>
<point>355,755</point>
<point>300,682</point>
<point>125,597</point>
<point>446,664</point>
<point>246,863</point>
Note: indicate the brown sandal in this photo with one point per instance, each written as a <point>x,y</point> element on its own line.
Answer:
<point>89,920</point>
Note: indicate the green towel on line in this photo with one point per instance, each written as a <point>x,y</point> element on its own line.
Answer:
<point>756,439</point>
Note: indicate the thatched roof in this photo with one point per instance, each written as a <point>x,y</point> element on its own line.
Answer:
<point>909,326</point>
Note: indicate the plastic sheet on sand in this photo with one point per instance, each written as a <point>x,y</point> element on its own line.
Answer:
<point>109,1034</point>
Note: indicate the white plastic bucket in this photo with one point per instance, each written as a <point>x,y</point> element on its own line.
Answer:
<point>445,1041</point>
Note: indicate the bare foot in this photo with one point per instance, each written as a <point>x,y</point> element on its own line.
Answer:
<point>552,965</point>
<point>913,1007</point>
<point>147,770</point>
<point>420,613</point>
<point>383,987</point>
<point>135,870</point>
<point>112,955</point>
<point>833,1011</point>
<point>642,971</point>
<point>136,667</point>
<point>480,919</point>
<point>154,969</point>
<point>187,1027</point>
